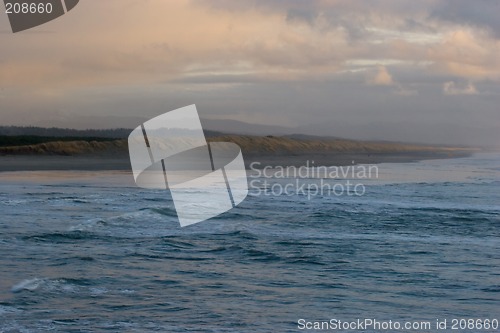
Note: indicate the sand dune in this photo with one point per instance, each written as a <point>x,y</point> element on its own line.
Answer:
<point>269,150</point>
<point>289,145</point>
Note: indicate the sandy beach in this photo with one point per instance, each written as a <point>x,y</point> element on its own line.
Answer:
<point>260,150</point>
<point>93,162</point>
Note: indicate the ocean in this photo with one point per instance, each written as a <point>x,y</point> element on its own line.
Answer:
<point>85,251</point>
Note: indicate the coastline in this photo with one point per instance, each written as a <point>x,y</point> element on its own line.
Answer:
<point>271,151</point>
<point>86,162</point>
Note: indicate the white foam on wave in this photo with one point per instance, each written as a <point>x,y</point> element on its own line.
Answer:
<point>59,286</point>
<point>12,202</point>
<point>127,291</point>
<point>97,291</point>
<point>45,284</point>
<point>28,284</point>
<point>88,225</point>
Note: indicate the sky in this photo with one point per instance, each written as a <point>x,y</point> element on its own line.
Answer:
<point>416,71</point>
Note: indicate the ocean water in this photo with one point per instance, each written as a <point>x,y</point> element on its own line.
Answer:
<point>90,252</point>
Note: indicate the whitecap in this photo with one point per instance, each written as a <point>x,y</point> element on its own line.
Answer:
<point>28,284</point>
<point>96,291</point>
<point>45,284</point>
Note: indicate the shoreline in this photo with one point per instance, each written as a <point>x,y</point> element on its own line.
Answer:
<point>266,150</point>
<point>12,163</point>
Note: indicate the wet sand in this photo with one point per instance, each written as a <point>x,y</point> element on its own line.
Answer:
<point>100,162</point>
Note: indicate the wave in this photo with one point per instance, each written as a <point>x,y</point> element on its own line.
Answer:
<point>130,219</point>
<point>61,285</point>
<point>13,202</point>
<point>61,236</point>
<point>31,285</point>
<point>6,309</point>
<point>164,211</point>
<point>44,284</point>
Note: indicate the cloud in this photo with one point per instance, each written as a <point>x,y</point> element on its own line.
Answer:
<point>275,58</point>
<point>275,40</point>
<point>402,91</point>
<point>381,77</point>
<point>479,13</point>
<point>452,88</point>
<point>466,53</point>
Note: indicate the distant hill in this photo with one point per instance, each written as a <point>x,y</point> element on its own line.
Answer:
<point>243,128</point>
<point>395,131</point>
<point>42,134</point>
<point>70,148</point>
<point>26,140</point>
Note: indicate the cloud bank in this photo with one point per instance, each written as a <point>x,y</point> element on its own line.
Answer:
<point>288,62</point>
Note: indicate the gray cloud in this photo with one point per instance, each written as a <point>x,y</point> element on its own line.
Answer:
<point>479,13</point>
<point>327,67</point>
